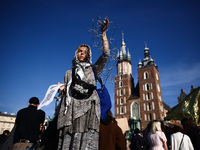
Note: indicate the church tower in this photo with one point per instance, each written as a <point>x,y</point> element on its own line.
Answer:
<point>142,103</point>
<point>151,104</point>
<point>123,82</point>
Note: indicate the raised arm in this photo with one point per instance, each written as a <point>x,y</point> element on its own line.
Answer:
<point>104,26</point>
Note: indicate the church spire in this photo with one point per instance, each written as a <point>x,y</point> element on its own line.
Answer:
<point>123,54</point>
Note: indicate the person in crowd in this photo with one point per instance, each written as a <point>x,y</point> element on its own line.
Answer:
<point>156,137</point>
<point>29,122</point>
<point>180,140</point>
<point>4,135</point>
<point>191,130</point>
<point>79,113</point>
<point>110,134</point>
<point>138,142</point>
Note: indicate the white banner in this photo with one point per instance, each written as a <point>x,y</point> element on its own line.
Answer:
<point>51,92</point>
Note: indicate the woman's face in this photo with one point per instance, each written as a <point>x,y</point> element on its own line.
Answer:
<point>82,54</point>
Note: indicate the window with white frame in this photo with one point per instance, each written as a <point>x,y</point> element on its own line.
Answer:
<point>144,107</point>
<point>146,75</point>
<point>120,83</point>
<point>121,110</point>
<point>148,96</point>
<point>121,100</point>
<point>121,92</point>
<point>125,109</point>
<point>154,116</point>
<point>117,110</point>
<point>143,96</point>
<point>145,117</point>
<point>153,105</point>
<point>124,91</point>
<point>157,76</point>
<point>125,67</point>
<point>152,95</point>
<point>158,87</point>
<point>117,101</point>
<point>124,99</point>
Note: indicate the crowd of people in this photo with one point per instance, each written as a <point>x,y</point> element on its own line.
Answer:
<point>78,125</point>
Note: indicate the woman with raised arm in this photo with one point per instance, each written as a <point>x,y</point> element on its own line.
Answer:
<point>79,114</point>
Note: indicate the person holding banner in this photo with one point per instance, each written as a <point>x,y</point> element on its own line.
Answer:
<point>79,114</point>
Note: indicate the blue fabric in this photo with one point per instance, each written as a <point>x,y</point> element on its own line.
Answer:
<point>104,96</point>
<point>105,101</point>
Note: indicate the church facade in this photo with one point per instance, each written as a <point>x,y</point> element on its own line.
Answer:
<point>142,102</point>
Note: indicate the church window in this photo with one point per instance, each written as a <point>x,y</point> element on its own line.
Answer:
<point>146,75</point>
<point>121,101</point>
<point>121,110</point>
<point>124,91</point>
<point>147,86</point>
<point>121,92</point>
<point>157,76</point>
<point>143,96</point>
<point>144,107</point>
<point>145,117</point>
<point>151,86</point>
<point>135,110</point>
<point>150,117</point>
<point>117,101</point>
<point>154,116</point>
<point>124,99</point>
<point>117,110</point>
<point>153,105</point>
<point>120,77</point>
<point>158,87</point>
<point>125,109</point>
<point>143,87</point>
<point>120,84</point>
<point>149,106</point>
<point>148,96</point>
<point>151,95</point>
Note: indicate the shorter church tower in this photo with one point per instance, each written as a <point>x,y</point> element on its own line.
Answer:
<point>151,104</point>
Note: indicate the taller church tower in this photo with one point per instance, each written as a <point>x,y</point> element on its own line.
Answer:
<point>123,82</point>
<point>141,103</point>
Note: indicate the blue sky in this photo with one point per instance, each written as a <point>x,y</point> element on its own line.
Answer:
<point>38,39</point>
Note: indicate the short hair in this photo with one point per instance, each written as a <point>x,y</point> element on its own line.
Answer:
<point>156,126</point>
<point>34,100</point>
<point>6,131</point>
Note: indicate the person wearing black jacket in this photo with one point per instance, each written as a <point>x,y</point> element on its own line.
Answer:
<point>28,125</point>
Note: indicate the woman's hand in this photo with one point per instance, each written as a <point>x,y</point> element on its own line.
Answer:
<point>104,25</point>
<point>62,88</point>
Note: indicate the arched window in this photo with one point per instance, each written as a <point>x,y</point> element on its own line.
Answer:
<point>148,87</point>
<point>121,101</point>
<point>120,83</point>
<point>149,106</point>
<point>153,105</point>
<point>121,92</point>
<point>158,87</point>
<point>144,106</point>
<point>150,117</point>
<point>154,116</point>
<point>148,96</point>
<point>121,110</point>
<point>145,117</point>
<point>146,75</point>
<point>135,110</point>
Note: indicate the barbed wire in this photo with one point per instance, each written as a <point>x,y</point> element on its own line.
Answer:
<point>96,41</point>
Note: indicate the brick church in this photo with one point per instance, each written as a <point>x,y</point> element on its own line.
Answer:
<point>140,103</point>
